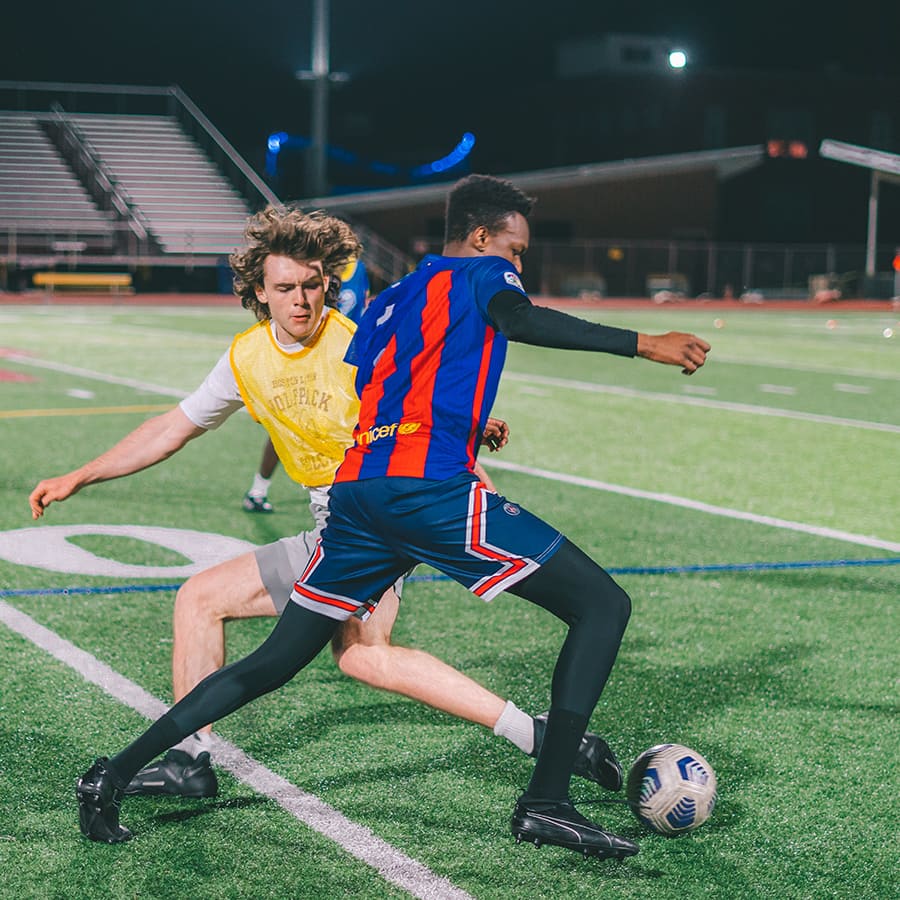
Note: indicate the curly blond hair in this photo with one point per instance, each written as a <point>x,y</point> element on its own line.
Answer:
<point>305,237</point>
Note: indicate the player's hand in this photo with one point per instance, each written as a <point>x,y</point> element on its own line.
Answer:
<point>675,348</point>
<point>496,434</point>
<point>51,490</point>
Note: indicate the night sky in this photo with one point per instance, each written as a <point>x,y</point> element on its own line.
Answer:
<point>473,57</point>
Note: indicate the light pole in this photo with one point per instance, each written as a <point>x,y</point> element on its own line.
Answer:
<point>320,75</point>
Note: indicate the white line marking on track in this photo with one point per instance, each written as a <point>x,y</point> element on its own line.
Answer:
<point>750,408</point>
<point>697,505</point>
<point>785,389</point>
<point>392,864</point>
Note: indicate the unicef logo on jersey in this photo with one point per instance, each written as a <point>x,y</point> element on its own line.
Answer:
<point>511,509</point>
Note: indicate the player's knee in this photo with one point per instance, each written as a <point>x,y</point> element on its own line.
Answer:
<point>194,604</point>
<point>620,606</point>
<point>611,608</point>
<point>364,662</point>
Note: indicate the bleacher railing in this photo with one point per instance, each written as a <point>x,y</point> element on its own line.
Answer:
<point>107,193</point>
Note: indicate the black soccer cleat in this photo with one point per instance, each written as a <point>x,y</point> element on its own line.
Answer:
<point>594,759</point>
<point>559,823</point>
<point>98,805</point>
<point>256,504</point>
<point>178,774</point>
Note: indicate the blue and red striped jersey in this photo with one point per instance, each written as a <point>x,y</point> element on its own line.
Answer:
<point>429,361</point>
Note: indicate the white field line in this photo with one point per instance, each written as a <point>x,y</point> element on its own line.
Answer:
<point>785,389</point>
<point>520,377</point>
<point>804,367</point>
<point>392,864</point>
<point>852,388</point>
<point>697,505</point>
<point>753,409</point>
<point>96,376</point>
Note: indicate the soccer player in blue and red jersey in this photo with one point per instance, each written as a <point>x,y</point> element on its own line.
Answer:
<point>429,353</point>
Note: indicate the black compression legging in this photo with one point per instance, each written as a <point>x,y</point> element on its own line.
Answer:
<point>578,591</point>
<point>571,586</point>
<point>295,641</point>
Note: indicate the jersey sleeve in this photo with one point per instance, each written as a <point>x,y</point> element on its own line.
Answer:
<point>518,319</point>
<point>489,277</point>
<point>216,399</point>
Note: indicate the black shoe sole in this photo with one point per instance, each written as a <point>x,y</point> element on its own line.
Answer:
<point>596,852</point>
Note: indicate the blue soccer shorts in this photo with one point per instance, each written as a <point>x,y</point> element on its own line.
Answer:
<point>379,528</point>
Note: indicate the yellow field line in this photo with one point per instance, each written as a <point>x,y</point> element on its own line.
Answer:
<point>83,411</point>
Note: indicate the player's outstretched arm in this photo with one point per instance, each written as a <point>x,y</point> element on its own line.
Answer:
<point>150,443</point>
<point>674,348</point>
<point>520,320</point>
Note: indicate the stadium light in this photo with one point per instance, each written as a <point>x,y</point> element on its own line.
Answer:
<point>677,59</point>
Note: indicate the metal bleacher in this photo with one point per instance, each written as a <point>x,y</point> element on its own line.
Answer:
<point>186,203</point>
<point>42,201</point>
<point>126,177</point>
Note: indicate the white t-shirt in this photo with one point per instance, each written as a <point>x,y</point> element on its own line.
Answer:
<point>218,397</point>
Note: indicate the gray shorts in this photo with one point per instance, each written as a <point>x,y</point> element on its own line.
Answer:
<point>282,562</point>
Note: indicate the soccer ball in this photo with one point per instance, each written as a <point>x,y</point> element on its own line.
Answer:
<point>671,789</point>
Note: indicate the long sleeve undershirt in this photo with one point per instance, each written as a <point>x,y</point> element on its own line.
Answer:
<point>518,319</point>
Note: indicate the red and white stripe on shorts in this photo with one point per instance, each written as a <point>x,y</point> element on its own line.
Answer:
<point>512,569</point>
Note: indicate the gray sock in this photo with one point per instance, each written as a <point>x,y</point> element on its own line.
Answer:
<point>516,726</point>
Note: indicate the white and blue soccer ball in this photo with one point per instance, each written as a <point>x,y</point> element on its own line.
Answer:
<point>671,789</point>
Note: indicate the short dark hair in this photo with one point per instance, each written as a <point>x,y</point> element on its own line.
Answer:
<point>479,200</point>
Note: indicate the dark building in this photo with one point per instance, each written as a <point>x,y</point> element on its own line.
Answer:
<point>617,98</point>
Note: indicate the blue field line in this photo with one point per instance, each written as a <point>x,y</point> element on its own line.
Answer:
<point>622,570</point>
<point>108,589</point>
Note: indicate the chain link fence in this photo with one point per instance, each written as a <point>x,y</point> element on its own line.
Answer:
<point>707,269</point>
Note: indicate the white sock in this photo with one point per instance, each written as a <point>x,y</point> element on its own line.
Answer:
<point>260,487</point>
<point>195,744</point>
<point>516,726</point>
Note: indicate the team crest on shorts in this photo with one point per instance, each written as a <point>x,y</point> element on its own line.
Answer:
<point>511,509</point>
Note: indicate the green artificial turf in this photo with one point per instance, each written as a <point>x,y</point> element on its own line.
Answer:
<point>785,680</point>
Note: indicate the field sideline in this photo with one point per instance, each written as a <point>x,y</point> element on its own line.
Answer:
<point>753,511</point>
<point>127,301</point>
